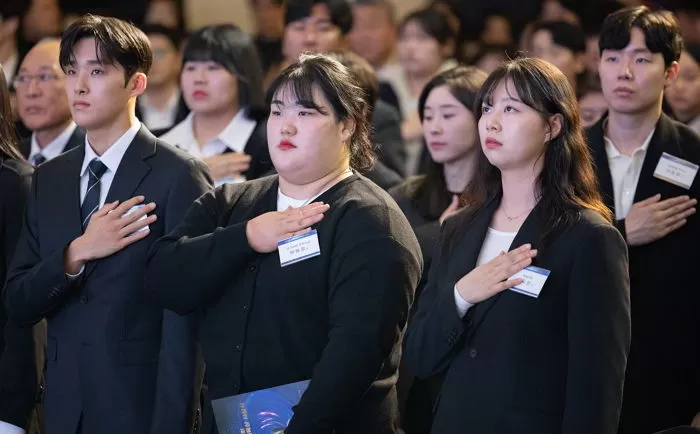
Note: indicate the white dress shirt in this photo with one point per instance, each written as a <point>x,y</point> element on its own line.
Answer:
<point>695,124</point>
<point>158,119</point>
<point>625,171</point>
<point>6,428</point>
<point>54,148</point>
<point>494,243</point>
<point>234,137</point>
<point>9,67</point>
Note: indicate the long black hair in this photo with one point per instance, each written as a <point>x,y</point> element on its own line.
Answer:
<point>429,194</point>
<point>8,135</point>
<point>233,49</point>
<point>567,183</point>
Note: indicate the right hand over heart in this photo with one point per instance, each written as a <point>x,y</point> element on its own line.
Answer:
<point>108,232</point>
<point>265,230</point>
<point>490,278</point>
<point>653,218</point>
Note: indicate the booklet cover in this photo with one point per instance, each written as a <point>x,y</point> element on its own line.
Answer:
<point>266,411</point>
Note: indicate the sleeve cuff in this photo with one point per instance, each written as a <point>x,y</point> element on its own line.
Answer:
<point>72,277</point>
<point>6,428</point>
<point>462,304</point>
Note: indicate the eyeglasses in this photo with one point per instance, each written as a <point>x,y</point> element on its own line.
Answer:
<point>24,80</point>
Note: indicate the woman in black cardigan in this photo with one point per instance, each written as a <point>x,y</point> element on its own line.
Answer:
<point>336,317</point>
<point>521,357</point>
<point>17,367</point>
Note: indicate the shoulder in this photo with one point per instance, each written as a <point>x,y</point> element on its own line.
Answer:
<point>243,193</point>
<point>689,141</point>
<point>593,230</point>
<point>14,173</point>
<point>407,189</point>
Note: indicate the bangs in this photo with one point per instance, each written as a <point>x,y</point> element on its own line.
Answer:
<point>519,83</point>
<point>208,49</point>
<point>296,85</point>
<point>67,53</point>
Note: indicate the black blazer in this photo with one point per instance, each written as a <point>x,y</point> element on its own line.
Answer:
<point>76,139</point>
<point>662,389</point>
<point>336,319</point>
<point>18,385</point>
<point>517,364</point>
<point>386,134</point>
<point>383,176</point>
<point>120,361</point>
<point>180,115</point>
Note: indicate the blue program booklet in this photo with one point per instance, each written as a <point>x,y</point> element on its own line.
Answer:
<point>266,411</point>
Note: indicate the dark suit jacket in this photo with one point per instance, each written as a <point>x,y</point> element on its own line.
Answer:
<point>182,112</point>
<point>386,134</point>
<point>120,361</point>
<point>17,371</point>
<point>336,318</point>
<point>76,139</point>
<point>517,364</point>
<point>383,176</point>
<point>662,389</point>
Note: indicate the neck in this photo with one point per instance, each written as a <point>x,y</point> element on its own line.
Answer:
<point>688,116</point>
<point>520,193</point>
<point>48,135</point>
<point>314,188</point>
<point>101,139</point>
<point>628,131</point>
<point>206,126</point>
<point>416,83</point>
<point>159,96</point>
<point>458,173</point>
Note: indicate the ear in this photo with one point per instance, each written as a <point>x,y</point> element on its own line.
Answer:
<point>671,73</point>
<point>348,129</point>
<point>137,84</point>
<point>554,124</point>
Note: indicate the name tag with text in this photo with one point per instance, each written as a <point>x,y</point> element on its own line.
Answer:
<point>676,170</point>
<point>298,248</point>
<point>533,280</point>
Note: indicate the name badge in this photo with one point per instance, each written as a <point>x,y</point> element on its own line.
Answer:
<point>676,170</point>
<point>298,248</point>
<point>133,209</point>
<point>533,280</point>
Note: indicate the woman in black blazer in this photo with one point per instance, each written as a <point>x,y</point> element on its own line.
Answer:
<point>221,83</point>
<point>17,368</point>
<point>521,358</point>
<point>273,315</point>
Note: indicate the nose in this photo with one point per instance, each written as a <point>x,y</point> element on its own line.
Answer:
<point>200,76</point>
<point>33,88</point>
<point>492,121</point>
<point>81,84</point>
<point>434,126</point>
<point>310,36</point>
<point>625,72</point>
<point>288,127</point>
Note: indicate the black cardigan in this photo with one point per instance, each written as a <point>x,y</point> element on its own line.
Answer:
<point>336,319</point>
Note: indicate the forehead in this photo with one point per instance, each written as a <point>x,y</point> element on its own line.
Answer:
<point>289,95</point>
<point>42,55</point>
<point>504,90</point>
<point>542,36</point>
<point>440,95</point>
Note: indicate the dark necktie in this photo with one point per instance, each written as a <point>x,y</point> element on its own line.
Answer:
<point>38,159</point>
<point>92,197</point>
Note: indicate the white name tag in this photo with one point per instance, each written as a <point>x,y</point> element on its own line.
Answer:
<point>676,170</point>
<point>533,280</point>
<point>298,248</point>
<point>133,209</point>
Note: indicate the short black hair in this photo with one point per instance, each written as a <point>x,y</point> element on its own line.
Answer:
<point>342,91</point>
<point>233,49</point>
<point>564,34</point>
<point>13,9</point>
<point>175,36</point>
<point>116,42</point>
<point>433,22</point>
<point>340,12</point>
<point>661,30</point>
<point>386,4</point>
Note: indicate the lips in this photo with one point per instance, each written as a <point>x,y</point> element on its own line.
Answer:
<point>492,143</point>
<point>80,104</point>
<point>199,94</point>
<point>438,145</point>
<point>286,145</point>
<point>33,110</point>
<point>623,91</point>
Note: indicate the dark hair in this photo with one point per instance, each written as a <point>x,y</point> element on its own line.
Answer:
<point>233,49</point>
<point>8,135</point>
<point>507,51</point>
<point>175,36</point>
<point>342,92</point>
<point>364,75</point>
<point>116,42</point>
<point>661,31</point>
<point>564,34</point>
<point>430,195</point>
<point>14,9</point>
<point>386,4</point>
<point>433,22</point>
<point>340,12</point>
<point>589,83</point>
<point>567,183</point>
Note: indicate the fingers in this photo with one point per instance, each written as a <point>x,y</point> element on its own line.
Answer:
<point>506,284</point>
<point>138,214</point>
<point>674,226</point>
<point>131,239</point>
<point>650,200</point>
<point>106,209</point>
<point>137,225</point>
<point>675,202</point>
<point>127,205</point>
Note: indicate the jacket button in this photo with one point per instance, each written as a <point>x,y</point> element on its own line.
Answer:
<point>238,347</point>
<point>83,299</point>
<point>473,353</point>
<point>252,267</point>
<point>245,308</point>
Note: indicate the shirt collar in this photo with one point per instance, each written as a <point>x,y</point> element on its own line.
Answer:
<point>170,107</point>
<point>55,147</point>
<point>115,153</point>
<point>235,135</point>
<point>612,151</point>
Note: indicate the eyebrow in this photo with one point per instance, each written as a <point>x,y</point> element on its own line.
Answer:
<point>442,106</point>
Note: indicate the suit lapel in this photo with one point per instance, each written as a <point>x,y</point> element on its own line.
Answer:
<point>665,139</point>
<point>529,233</point>
<point>66,200</point>
<point>131,172</point>
<point>596,144</point>
<point>76,139</point>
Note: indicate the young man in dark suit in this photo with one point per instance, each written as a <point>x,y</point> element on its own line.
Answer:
<point>115,362</point>
<point>43,105</point>
<point>646,166</point>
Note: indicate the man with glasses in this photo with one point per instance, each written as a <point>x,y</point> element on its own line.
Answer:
<point>43,105</point>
